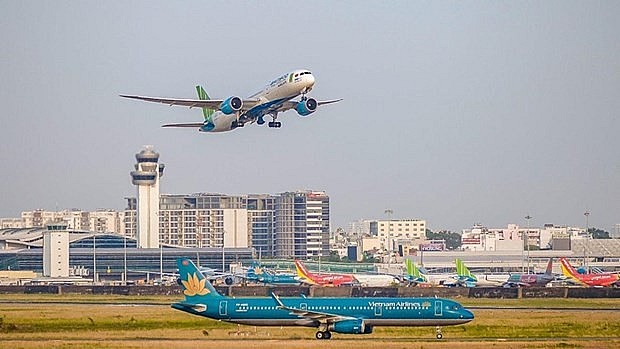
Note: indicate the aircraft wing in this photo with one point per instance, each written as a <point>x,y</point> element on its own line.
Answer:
<point>293,104</point>
<point>310,314</point>
<point>191,103</point>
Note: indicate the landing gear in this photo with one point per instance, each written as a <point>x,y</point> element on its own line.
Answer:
<point>438,333</point>
<point>273,122</point>
<point>323,335</point>
<point>236,124</point>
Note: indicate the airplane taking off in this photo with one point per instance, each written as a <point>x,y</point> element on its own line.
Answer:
<point>222,115</point>
<point>527,280</point>
<point>307,277</point>
<point>341,315</point>
<point>591,280</point>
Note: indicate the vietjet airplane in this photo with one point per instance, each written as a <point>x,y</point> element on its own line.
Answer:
<point>341,315</point>
<point>323,279</point>
<point>592,280</point>
<point>222,115</point>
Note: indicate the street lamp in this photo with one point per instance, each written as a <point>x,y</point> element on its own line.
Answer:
<point>528,217</point>
<point>389,233</point>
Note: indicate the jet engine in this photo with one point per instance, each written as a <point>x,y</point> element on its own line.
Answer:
<point>231,105</point>
<point>350,327</point>
<point>306,107</point>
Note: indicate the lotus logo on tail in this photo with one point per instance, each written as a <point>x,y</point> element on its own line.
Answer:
<point>193,286</point>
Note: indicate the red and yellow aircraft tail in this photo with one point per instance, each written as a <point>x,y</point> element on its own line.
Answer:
<point>303,273</point>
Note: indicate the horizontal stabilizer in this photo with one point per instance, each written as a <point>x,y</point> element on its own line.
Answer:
<point>188,124</point>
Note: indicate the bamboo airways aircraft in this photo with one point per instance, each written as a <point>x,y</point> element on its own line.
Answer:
<point>340,315</point>
<point>222,115</point>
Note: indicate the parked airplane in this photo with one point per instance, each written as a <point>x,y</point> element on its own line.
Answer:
<point>340,315</point>
<point>591,280</point>
<point>334,279</point>
<point>310,278</point>
<point>526,280</point>
<point>465,278</point>
<point>227,114</point>
<point>256,273</point>
<point>414,276</point>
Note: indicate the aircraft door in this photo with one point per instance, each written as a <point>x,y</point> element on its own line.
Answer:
<point>378,309</point>
<point>438,308</point>
<point>224,308</point>
<point>303,306</point>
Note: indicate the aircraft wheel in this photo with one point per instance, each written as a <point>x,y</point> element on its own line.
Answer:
<point>278,124</point>
<point>270,124</point>
<point>439,336</point>
<point>320,335</point>
<point>328,335</point>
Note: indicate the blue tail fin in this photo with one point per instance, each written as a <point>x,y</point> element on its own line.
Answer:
<point>194,283</point>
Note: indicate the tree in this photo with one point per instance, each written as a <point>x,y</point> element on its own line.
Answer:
<point>599,233</point>
<point>453,240</point>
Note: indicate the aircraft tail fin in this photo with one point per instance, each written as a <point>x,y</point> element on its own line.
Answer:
<point>567,269</point>
<point>549,270</point>
<point>412,269</point>
<point>462,270</point>
<point>302,272</point>
<point>202,95</point>
<point>195,285</point>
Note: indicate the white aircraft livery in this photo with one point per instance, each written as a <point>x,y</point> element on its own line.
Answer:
<point>222,115</point>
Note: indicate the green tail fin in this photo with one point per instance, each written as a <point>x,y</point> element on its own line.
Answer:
<point>461,269</point>
<point>203,96</point>
<point>412,270</point>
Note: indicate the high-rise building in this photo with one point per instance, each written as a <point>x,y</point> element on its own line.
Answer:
<point>146,177</point>
<point>302,224</point>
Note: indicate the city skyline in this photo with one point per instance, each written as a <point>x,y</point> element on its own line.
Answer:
<point>455,112</point>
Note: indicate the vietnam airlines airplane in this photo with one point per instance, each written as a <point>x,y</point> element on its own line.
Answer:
<point>340,315</point>
<point>591,280</point>
<point>222,115</point>
<point>259,274</point>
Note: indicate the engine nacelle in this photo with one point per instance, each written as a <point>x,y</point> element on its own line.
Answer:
<point>231,105</point>
<point>350,327</point>
<point>307,107</point>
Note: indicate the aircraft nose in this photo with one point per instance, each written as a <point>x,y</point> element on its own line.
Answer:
<point>309,80</point>
<point>466,314</point>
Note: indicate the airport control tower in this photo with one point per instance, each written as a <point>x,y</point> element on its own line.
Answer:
<point>146,177</point>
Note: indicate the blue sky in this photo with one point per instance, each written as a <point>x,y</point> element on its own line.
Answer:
<point>456,112</point>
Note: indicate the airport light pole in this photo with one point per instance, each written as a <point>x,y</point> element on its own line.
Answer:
<point>528,217</point>
<point>585,248</point>
<point>94,260</point>
<point>223,252</point>
<point>389,233</point>
<point>125,258</point>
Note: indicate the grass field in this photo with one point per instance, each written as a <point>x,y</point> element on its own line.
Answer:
<point>149,322</point>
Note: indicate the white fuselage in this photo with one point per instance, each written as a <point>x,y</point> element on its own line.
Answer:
<point>283,88</point>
